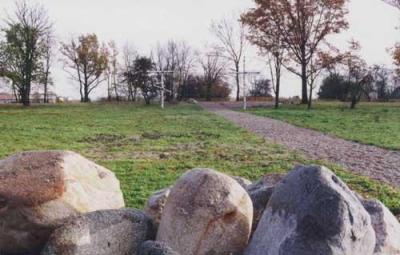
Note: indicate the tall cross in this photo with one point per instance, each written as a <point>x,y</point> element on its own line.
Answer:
<point>163,89</point>
<point>244,73</point>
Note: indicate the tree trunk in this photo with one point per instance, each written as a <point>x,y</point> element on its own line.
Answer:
<point>86,94</point>
<point>86,87</point>
<point>304,94</point>
<point>353,102</point>
<point>25,97</point>
<point>14,89</point>
<point>278,65</point>
<point>116,93</point>
<point>80,90</point>
<point>309,104</point>
<point>180,93</point>
<point>237,82</point>
<point>45,99</point>
<point>169,85</point>
<point>147,100</point>
<point>115,87</point>
<point>277,91</point>
<point>46,83</point>
<point>26,87</point>
<point>208,91</point>
<point>108,90</point>
<point>130,92</point>
<point>134,95</point>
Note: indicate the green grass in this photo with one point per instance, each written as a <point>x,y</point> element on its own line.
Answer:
<point>370,123</point>
<point>149,149</point>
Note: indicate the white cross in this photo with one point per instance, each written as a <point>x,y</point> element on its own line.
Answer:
<point>163,89</point>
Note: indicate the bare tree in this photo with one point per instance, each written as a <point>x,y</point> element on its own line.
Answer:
<point>322,60</point>
<point>271,45</point>
<point>232,42</point>
<point>359,75</point>
<point>111,71</point>
<point>166,60</point>
<point>25,46</point>
<point>129,56</point>
<point>177,57</point>
<point>87,60</point>
<point>185,63</point>
<point>382,76</point>
<point>213,71</point>
<point>275,62</point>
<point>108,75</point>
<point>46,79</point>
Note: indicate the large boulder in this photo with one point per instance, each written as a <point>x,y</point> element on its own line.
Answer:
<point>155,248</point>
<point>192,101</point>
<point>386,226</point>
<point>268,180</point>
<point>155,205</point>
<point>206,213</point>
<point>313,212</point>
<point>260,192</point>
<point>116,232</point>
<point>242,181</point>
<point>39,190</point>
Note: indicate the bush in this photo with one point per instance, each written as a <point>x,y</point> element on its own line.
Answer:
<point>395,93</point>
<point>220,90</point>
<point>261,88</point>
<point>333,87</point>
<point>195,87</point>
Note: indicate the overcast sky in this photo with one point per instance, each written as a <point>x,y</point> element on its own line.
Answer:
<point>146,22</point>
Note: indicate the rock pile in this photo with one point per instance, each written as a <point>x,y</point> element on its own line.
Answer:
<point>59,203</point>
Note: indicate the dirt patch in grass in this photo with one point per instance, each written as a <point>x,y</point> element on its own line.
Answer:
<point>200,135</point>
<point>104,138</point>
<point>152,135</point>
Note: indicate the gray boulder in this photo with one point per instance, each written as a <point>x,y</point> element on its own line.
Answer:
<point>192,101</point>
<point>386,226</point>
<point>155,248</point>
<point>260,192</point>
<point>268,180</point>
<point>116,232</point>
<point>155,205</point>
<point>242,181</point>
<point>313,212</point>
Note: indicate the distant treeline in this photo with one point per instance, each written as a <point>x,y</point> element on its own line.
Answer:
<point>296,43</point>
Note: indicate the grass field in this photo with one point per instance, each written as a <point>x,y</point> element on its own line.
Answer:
<point>149,149</point>
<point>371,123</point>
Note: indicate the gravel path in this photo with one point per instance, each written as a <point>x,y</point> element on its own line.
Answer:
<point>377,163</point>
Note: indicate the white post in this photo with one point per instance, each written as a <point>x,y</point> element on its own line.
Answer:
<point>244,85</point>
<point>162,90</point>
